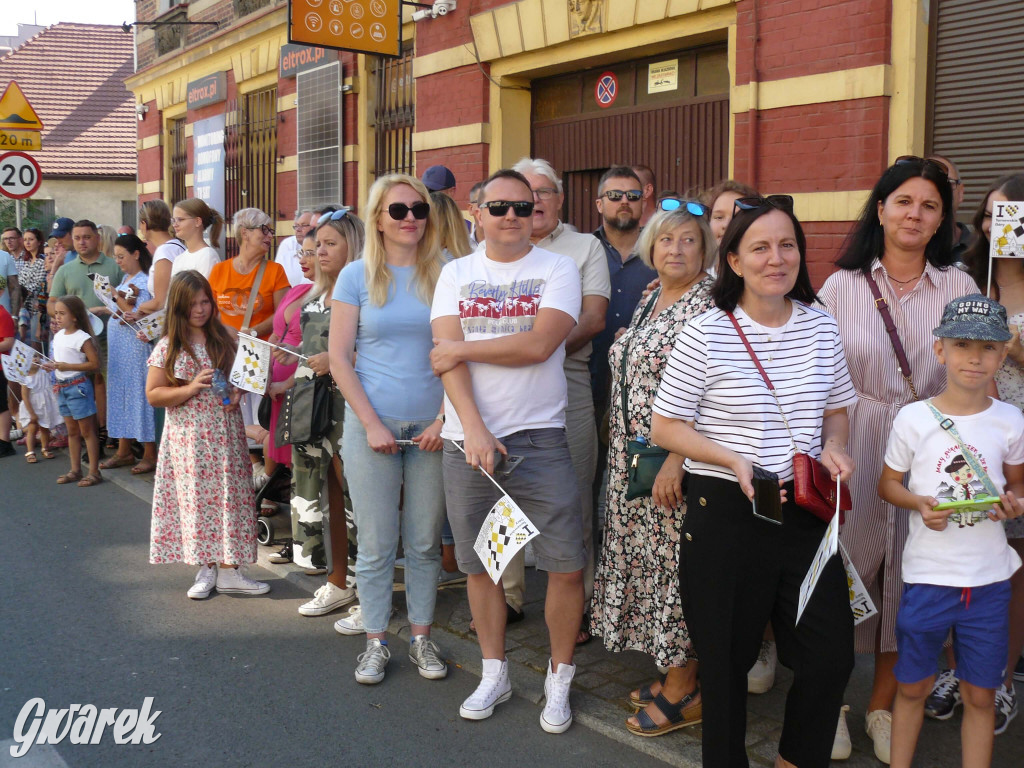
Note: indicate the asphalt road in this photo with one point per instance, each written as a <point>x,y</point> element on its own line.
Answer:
<point>238,681</point>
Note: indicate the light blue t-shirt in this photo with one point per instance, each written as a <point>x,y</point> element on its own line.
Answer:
<point>9,268</point>
<point>393,345</point>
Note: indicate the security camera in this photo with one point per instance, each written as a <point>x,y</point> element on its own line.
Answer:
<point>421,15</point>
<point>441,7</point>
<point>441,10</point>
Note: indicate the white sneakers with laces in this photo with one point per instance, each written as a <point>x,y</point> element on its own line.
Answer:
<point>557,715</point>
<point>326,599</point>
<point>494,689</point>
<point>761,676</point>
<point>878,725</point>
<point>234,581</point>
<point>204,583</point>
<point>372,662</point>
<point>841,745</point>
<point>424,653</point>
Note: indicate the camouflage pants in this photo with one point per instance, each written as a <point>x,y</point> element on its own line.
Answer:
<point>311,465</point>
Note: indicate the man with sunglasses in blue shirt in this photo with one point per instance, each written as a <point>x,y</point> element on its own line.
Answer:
<point>500,318</point>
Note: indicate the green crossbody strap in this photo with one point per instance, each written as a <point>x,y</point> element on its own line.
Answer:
<point>972,460</point>
<point>625,362</point>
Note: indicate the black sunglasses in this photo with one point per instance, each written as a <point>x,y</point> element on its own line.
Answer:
<point>914,159</point>
<point>399,211</point>
<point>780,202</point>
<point>616,194</point>
<point>521,208</point>
<point>675,203</point>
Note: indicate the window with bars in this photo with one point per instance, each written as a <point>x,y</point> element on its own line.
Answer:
<point>250,156</point>
<point>395,115</point>
<point>178,160</point>
<point>318,127</point>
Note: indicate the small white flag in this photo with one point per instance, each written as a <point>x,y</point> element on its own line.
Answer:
<point>861,604</point>
<point>24,357</point>
<point>152,326</point>
<point>11,371</point>
<point>101,287</point>
<point>828,547</point>
<point>251,369</point>
<point>505,531</point>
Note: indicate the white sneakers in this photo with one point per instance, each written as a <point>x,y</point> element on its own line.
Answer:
<point>557,715</point>
<point>372,662</point>
<point>841,745</point>
<point>494,689</point>
<point>352,623</point>
<point>204,583</point>
<point>234,581</point>
<point>228,580</point>
<point>326,599</point>
<point>761,676</point>
<point>878,725</point>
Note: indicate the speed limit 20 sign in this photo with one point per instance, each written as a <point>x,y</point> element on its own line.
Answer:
<point>20,175</point>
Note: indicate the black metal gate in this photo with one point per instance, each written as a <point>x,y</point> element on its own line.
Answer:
<point>250,157</point>
<point>178,159</point>
<point>395,116</point>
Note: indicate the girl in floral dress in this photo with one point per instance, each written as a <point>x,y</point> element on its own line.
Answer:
<point>203,506</point>
<point>636,603</point>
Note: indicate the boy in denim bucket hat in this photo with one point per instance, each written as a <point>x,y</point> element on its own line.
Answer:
<point>962,455</point>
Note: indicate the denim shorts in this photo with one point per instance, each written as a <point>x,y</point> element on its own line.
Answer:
<point>78,400</point>
<point>979,618</point>
<point>543,485</point>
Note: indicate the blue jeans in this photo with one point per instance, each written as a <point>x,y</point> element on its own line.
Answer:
<point>375,482</point>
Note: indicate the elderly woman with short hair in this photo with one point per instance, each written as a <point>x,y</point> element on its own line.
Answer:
<point>636,604</point>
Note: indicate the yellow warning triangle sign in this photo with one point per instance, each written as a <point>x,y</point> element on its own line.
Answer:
<point>16,114</point>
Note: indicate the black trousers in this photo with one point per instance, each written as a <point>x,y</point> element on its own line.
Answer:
<point>738,572</point>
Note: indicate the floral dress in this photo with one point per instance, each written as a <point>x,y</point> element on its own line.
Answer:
<point>129,413</point>
<point>1010,383</point>
<point>32,281</point>
<point>204,510</point>
<point>636,603</point>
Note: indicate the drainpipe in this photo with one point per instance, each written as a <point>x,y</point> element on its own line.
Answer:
<point>752,149</point>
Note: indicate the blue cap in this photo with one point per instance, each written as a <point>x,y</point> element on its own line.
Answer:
<point>974,317</point>
<point>437,177</point>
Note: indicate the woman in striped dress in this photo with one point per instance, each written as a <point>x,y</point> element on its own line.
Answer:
<point>902,243</point>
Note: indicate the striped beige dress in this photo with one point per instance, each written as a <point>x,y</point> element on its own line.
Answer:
<point>875,532</point>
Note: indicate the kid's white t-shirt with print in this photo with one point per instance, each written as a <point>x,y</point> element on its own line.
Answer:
<point>972,550</point>
<point>494,299</point>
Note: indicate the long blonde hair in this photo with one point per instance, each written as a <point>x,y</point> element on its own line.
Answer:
<point>428,253</point>
<point>453,234</point>
<point>219,345</point>
<point>350,227</point>
<point>212,220</point>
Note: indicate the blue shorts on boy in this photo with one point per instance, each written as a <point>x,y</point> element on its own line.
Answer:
<point>970,558</point>
<point>77,399</point>
<point>979,618</point>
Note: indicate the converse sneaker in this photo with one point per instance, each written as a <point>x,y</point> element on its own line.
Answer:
<point>557,716</point>
<point>494,689</point>
<point>1006,707</point>
<point>945,696</point>
<point>841,745</point>
<point>424,653</point>
<point>204,583</point>
<point>326,599</point>
<point>761,676</point>
<point>878,725</point>
<point>352,623</point>
<point>372,662</point>
<point>233,581</point>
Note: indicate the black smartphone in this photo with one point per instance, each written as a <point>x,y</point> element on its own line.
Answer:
<point>767,496</point>
<point>506,465</point>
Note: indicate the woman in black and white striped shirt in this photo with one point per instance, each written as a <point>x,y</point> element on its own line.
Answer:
<point>737,571</point>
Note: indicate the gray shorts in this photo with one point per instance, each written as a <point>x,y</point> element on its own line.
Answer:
<point>543,485</point>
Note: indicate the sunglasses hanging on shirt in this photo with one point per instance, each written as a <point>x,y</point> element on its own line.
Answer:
<point>398,211</point>
<point>521,208</point>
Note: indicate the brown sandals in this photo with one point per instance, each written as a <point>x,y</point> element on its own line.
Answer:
<point>70,477</point>
<point>90,480</point>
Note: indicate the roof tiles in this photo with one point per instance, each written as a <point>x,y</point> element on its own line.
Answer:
<point>73,76</point>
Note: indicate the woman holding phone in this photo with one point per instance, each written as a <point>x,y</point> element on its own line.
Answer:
<point>738,570</point>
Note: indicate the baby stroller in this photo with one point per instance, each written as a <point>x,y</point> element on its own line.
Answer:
<point>269,528</point>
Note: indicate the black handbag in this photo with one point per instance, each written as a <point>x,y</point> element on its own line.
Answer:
<point>263,412</point>
<point>305,415</point>
<point>643,461</point>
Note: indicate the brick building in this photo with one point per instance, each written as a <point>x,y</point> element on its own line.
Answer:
<point>803,97</point>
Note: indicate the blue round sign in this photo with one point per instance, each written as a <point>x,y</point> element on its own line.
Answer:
<point>606,90</point>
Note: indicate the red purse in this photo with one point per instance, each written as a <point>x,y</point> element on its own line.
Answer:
<point>813,486</point>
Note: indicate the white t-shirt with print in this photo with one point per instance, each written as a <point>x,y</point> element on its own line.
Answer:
<point>494,299</point>
<point>972,550</point>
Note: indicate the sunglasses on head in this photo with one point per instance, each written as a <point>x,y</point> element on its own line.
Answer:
<point>399,211</point>
<point>616,194</point>
<point>521,208</point>
<point>337,215</point>
<point>780,202</point>
<point>914,159</point>
<point>675,203</point>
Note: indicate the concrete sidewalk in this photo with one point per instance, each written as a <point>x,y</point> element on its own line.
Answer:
<point>603,679</point>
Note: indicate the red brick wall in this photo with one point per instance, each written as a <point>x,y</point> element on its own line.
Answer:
<point>824,239</point>
<point>454,97</point>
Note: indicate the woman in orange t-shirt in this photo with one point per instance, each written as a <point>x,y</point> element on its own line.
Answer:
<point>232,280</point>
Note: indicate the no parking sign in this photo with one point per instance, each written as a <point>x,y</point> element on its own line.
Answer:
<point>606,90</point>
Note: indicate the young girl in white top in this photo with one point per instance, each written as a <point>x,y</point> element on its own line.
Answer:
<point>190,219</point>
<point>39,413</point>
<point>75,356</point>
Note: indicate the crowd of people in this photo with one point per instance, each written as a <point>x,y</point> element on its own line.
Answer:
<point>650,396</point>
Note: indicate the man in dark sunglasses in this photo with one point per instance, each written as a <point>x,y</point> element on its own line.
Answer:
<point>500,317</point>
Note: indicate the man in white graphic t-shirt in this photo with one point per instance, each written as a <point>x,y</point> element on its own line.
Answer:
<point>500,317</point>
